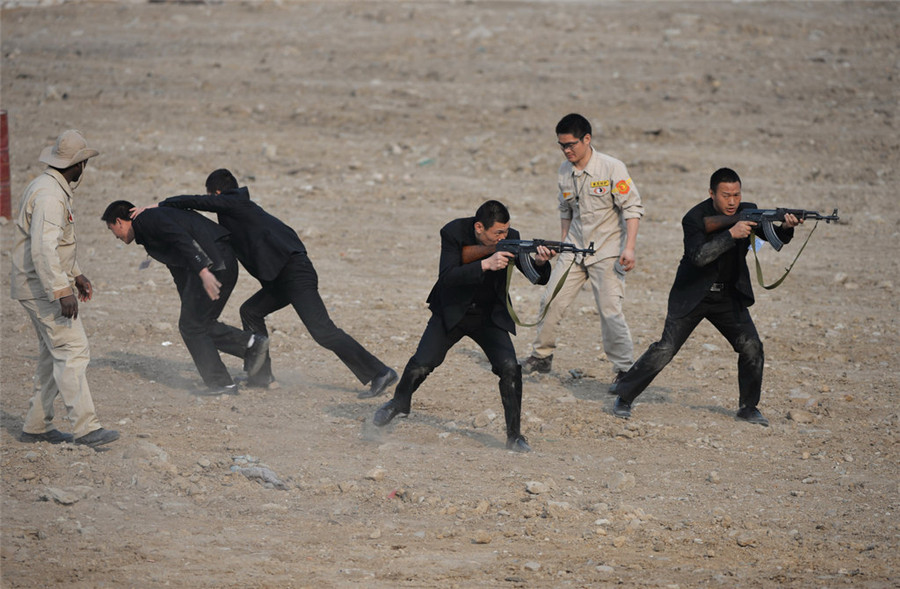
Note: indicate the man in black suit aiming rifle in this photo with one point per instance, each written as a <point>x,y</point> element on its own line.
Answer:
<point>713,283</point>
<point>470,299</point>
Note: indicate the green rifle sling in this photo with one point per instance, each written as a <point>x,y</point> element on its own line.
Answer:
<point>509,274</point>
<point>759,276</point>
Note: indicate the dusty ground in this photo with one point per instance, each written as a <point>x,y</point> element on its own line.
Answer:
<point>367,125</point>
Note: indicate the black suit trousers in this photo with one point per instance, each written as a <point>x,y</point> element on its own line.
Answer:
<point>298,285</point>
<point>732,319</point>
<point>202,332</point>
<point>497,345</point>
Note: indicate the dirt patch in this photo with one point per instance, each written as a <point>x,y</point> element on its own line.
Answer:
<point>367,126</point>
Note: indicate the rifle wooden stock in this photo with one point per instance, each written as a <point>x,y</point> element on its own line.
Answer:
<point>719,222</point>
<point>472,253</point>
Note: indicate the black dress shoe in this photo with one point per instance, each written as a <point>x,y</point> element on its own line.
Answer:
<point>622,409</point>
<point>389,411</point>
<point>228,389</point>
<point>98,437</point>
<point>256,354</point>
<point>517,443</point>
<point>257,381</point>
<point>380,384</point>
<point>752,415</point>
<point>54,436</point>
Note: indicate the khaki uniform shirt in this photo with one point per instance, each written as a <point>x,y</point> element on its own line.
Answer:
<point>43,260</point>
<point>598,200</point>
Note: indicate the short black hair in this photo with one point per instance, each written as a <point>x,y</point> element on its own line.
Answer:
<point>573,124</point>
<point>221,180</point>
<point>723,175</point>
<point>493,211</point>
<point>120,209</point>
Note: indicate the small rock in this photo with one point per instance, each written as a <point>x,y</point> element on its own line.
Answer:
<point>619,541</point>
<point>481,537</point>
<point>746,540</point>
<point>484,419</point>
<point>375,535</point>
<point>713,477</point>
<point>801,416</point>
<point>536,487</point>
<point>532,566</point>
<point>604,568</point>
<point>60,496</point>
<point>376,474</point>
<point>556,508</point>
<point>620,480</point>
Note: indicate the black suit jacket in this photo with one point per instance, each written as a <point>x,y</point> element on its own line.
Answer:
<point>458,283</point>
<point>181,239</point>
<point>262,242</point>
<point>705,255</point>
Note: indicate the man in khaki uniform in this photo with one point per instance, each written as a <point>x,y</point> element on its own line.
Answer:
<point>598,203</point>
<point>45,280</point>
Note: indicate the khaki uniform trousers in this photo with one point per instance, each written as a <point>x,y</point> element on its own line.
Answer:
<point>609,293</point>
<point>62,361</point>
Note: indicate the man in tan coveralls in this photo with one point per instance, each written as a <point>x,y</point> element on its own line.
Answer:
<point>598,203</point>
<point>45,278</point>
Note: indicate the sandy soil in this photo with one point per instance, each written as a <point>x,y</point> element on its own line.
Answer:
<point>366,126</point>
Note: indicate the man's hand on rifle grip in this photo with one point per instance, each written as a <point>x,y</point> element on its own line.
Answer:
<point>498,261</point>
<point>742,229</point>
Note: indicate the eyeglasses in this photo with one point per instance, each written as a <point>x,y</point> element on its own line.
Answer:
<point>568,146</point>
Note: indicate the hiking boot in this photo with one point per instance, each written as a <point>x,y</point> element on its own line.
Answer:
<point>615,383</point>
<point>98,437</point>
<point>54,436</point>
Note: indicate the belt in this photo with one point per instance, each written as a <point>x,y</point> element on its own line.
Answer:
<point>717,287</point>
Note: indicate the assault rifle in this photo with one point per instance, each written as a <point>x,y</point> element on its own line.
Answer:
<point>522,248</point>
<point>764,217</point>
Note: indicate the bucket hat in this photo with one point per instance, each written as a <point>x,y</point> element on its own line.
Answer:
<point>70,148</point>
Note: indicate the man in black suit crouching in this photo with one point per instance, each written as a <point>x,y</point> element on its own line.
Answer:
<point>469,299</point>
<point>712,283</point>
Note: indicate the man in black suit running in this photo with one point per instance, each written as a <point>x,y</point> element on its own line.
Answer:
<point>273,253</point>
<point>469,299</point>
<point>713,283</point>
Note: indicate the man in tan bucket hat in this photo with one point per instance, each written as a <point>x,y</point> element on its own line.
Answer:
<point>48,283</point>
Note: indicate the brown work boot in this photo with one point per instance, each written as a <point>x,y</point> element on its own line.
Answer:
<point>535,364</point>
